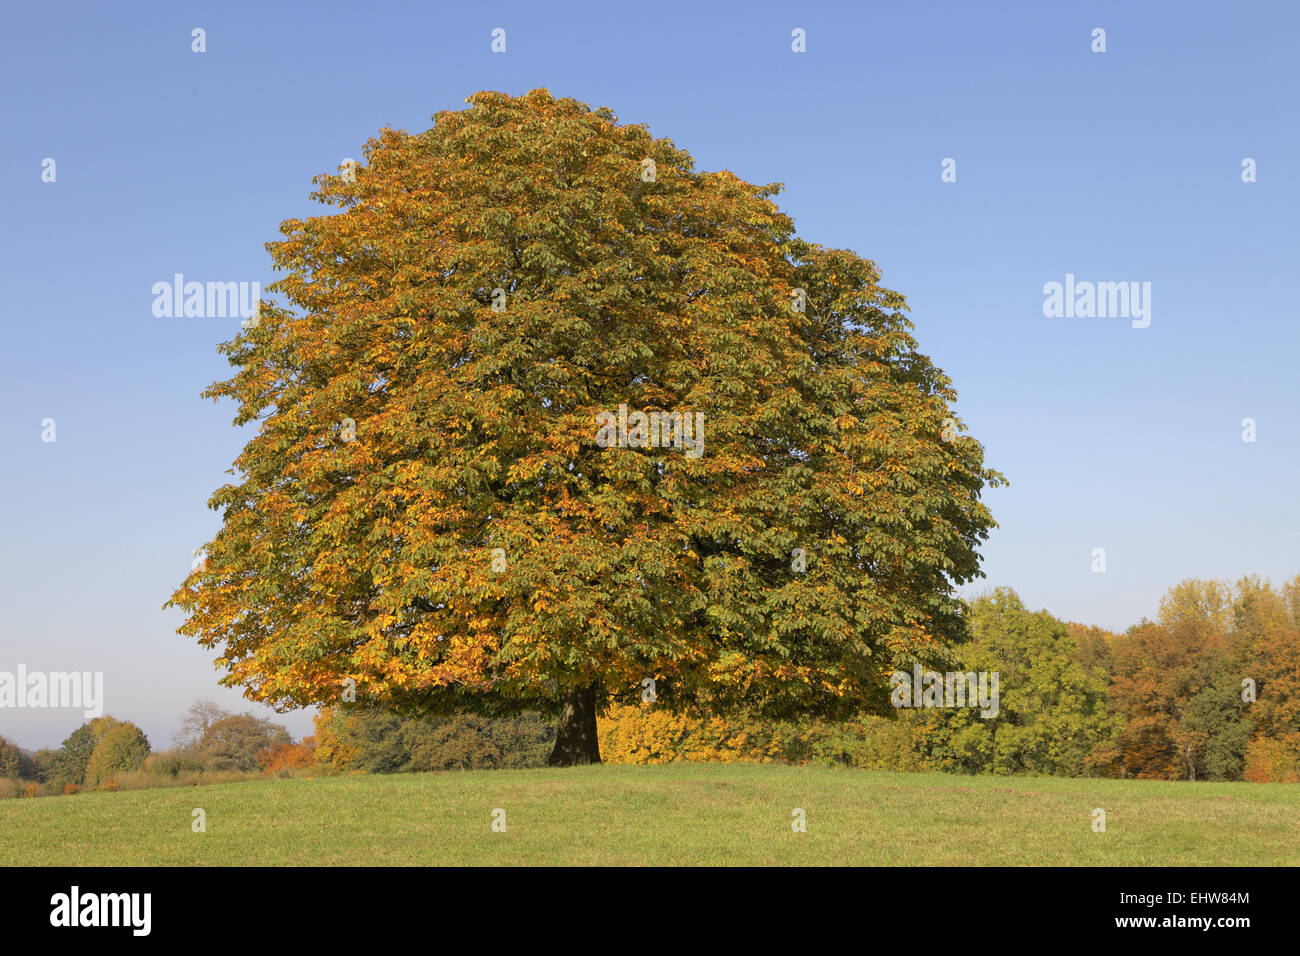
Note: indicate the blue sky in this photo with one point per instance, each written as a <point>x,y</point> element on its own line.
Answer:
<point>1115,166</point>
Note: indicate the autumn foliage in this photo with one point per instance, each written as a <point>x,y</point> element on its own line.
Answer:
<point>290,756</point>
<point>1211,688</point>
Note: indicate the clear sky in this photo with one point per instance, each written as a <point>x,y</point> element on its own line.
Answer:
<point>1122,166</point>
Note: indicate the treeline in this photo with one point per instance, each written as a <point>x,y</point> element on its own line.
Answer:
<point>214,746</point>
<point>1209,690</point>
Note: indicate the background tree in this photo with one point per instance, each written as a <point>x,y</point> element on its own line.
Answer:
<point>1093,647</point>
<point>365,738</point>
<point>1268,622</point>
<point>201,715</point>
<point>43,764</point>
<point>1214,728</point>
<point>1154,677</point>
<point>429,393</point>
<point>1177,682</point>
<point>68,764</point>
<point>1052,711</point>
<point>121,747</point>
<point>336,752</point>
<point>370,739</point>
<point>14,762</point>
<point>234,742</point>
<point>1268,625</point>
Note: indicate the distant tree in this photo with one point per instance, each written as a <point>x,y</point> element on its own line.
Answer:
<point>1197,608</point>
<point>526,740</point>
<point>1268,623</point>
<point>196,721</point>
<point>234,742</point>
<point>1213,729</point>
<point>122,747</point>
<point>69,762</point>
<point>371,739</point>
<point>1051,712</point>
<point>43,762</point>
<point>1178,681</point>
<point>335,751</point>
<point>470,742</point>
<point>1093,647</point>
<point>1154,677</point>
<point>368,739</point>
<point>14,762</point>
<point>462,743</point>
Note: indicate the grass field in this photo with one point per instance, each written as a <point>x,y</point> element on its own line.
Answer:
<point>664,815</point>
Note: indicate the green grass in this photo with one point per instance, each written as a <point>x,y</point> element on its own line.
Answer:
<point>664,815</point>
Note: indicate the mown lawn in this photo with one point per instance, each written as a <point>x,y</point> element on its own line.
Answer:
<point>685,814</point>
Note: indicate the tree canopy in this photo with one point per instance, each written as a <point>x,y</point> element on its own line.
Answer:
<point>425,511</point>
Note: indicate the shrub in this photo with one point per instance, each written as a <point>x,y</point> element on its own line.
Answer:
<point>373,740</point>
<point>147,780</point>
<point>12,788</point>
<point>281,757</point>
<point>1273,760</point>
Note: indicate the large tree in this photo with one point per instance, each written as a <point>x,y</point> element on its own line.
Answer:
<point>426,511</point>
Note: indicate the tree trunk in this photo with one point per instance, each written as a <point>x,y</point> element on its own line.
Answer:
<point>575,737</point>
